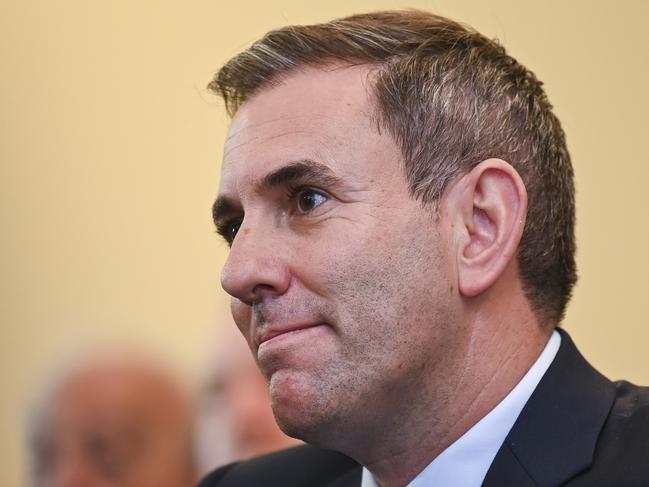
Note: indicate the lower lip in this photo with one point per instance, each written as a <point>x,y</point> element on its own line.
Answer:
<point>297,334</point>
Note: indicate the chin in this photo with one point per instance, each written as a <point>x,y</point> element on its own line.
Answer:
<point>303,409</point>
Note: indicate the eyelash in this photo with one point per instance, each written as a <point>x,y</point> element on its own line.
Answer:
<point>225,229</point>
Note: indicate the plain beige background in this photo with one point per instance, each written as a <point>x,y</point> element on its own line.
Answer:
<point>109,147</point>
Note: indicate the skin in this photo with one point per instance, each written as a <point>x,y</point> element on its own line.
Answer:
<point>382,315</point>
<point>113,423</point>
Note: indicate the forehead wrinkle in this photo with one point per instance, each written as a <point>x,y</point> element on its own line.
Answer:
<point>256,125</point>
<point>256,138</point>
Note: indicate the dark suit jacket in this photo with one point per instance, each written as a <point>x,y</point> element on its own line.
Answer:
<point>577,429</point>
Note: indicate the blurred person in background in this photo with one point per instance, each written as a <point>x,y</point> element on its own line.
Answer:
<point>113,421</point>
<point>235,419</point>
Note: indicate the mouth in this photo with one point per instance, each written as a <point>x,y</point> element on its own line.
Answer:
<point>277,332</point>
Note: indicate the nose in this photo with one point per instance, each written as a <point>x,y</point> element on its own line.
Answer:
<point>256,267</point>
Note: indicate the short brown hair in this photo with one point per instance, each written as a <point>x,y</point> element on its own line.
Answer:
<point>451,98</point>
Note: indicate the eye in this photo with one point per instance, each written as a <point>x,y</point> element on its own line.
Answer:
<point>231,230</point>
<point>307,200</point>
<point>228,229</point>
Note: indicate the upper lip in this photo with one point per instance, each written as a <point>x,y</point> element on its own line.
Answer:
<point>275,329</point>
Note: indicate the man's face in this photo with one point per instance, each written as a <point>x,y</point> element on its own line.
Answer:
<point>340,280</point>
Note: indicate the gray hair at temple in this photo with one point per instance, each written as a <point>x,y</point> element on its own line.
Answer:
<point>451,98</point>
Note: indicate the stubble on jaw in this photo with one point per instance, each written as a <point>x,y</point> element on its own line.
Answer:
<point>391,330</point>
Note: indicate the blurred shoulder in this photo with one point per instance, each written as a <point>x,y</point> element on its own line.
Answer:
<point>305,465</point>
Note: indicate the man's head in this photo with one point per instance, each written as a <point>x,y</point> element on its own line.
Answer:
<point>374,196</point>
<point>114,422</point>
<point>450,98</point>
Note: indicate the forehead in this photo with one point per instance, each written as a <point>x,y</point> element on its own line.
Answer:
<point>324,114</point>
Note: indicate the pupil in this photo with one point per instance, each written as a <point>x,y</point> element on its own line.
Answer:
<point>308,201</point>
<point>234,229</point>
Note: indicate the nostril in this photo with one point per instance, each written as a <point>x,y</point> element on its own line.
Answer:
<point>264,291</point>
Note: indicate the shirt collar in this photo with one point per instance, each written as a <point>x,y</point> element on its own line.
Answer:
<point>466,461</point>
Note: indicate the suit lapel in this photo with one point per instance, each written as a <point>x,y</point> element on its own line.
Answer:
<point>554,437</point>
<point>506,470</point>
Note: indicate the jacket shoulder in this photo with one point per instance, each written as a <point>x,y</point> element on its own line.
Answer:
<point>626,431</point>
<point>621,456</point>
<point>627,427</point>
<point>305,466</point>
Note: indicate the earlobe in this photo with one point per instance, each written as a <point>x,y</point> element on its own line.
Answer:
<point>493,203</point>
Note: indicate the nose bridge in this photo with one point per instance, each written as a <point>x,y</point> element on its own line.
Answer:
<point>257,261</point>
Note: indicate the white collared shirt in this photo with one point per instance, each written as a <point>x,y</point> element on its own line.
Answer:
<point>466,461</point>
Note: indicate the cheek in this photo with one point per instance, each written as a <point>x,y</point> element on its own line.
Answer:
<point>323,264</point>
<point>394,279</point>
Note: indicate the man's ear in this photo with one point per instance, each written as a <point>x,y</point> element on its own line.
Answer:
<point>490,207</point>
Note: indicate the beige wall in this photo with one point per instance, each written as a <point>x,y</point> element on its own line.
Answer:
<point>109,148</point>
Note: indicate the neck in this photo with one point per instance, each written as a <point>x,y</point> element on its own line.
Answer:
<point>499,347</point>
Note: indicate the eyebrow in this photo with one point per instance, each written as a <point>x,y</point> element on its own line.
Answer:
<point>221,209</point>
<point>299,171</point>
